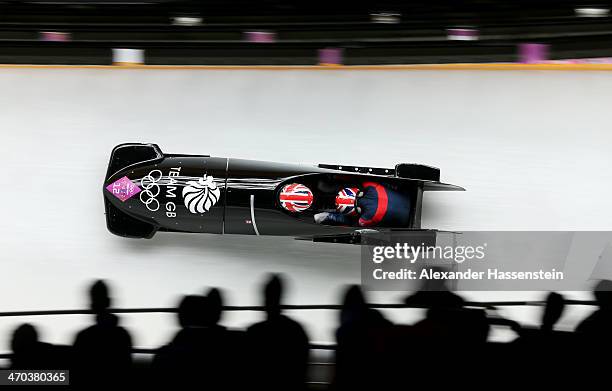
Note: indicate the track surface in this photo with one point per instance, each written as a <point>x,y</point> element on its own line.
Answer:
<point>531,147</point>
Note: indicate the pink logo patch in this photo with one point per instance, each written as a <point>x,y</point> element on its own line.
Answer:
<point>123,188</point>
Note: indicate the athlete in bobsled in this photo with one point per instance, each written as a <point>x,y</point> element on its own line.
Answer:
<point>369,205</point>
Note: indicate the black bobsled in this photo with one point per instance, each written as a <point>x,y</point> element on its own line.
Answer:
<point>146,191</point>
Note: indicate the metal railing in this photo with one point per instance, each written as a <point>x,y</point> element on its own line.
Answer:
<point>291,307</point>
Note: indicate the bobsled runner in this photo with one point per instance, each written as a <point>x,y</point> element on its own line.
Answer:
<point>146,191</point>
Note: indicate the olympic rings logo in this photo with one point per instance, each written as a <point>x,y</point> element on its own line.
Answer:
<point>150,190</point>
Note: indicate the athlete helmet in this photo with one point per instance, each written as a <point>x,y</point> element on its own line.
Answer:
<point>295,197</point>
<point>345,201</point>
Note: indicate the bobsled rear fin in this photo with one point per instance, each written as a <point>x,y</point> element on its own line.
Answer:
<point>122,224</point>
<point>439,186</point>
<point>125,155</point>
<point>417,171</point>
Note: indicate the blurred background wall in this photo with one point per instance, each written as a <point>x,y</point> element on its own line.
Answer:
<point>290,32</point>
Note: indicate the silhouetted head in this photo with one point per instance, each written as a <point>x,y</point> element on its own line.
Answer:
<point>25,338</point>
<point>555,304</point>
<point>353,304</point>
<point>215,306</point>
<point>191,311</point>
<point>434,284</point>
<point>273,292</point>
<point>603,294</point>
<point>99,298</point>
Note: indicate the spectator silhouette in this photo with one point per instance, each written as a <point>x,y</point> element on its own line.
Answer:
<point>598,325</point>
<point>594,334</point>
<point>434,293</point>
<point>553,310</point>
<point>447,326</point>
<point>181,359</point>
<point>278,345</point>
<point>360,343</point>
<point>225,348</point>
<point>28,351</point>
<point>542,347</point>
<point>215,308</point>
<point>104,347</point>
<point>555,305</point>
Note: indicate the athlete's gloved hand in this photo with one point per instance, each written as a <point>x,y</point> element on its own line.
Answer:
<point>319,218</point>
<point>332,218</point>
